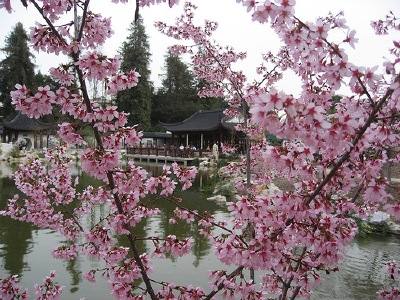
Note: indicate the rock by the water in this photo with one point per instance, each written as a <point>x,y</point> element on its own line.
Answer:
<point>394,228</point>
<point>379,217</point>
<point>218,199</point>
<point>5,150</point>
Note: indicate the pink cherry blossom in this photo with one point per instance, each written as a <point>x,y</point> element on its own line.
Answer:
<point>69,134</point>
<point>97,66</point>
<point>122,81</point>
<point>7,5</point>
<point>393,292</point>
<point>62,75</point>
<point>49,290</point>
<point>10,289</point>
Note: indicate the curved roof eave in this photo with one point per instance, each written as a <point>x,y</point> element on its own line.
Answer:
<point>24,123</point>
<point>203,120</point>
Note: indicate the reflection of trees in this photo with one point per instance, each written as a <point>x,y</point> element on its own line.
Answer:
<point>200,248</point>
<point>74,268</point>
<point>193,200</point>
<point>139,232</point>
<point>15,236</point>
<point>363,270</point>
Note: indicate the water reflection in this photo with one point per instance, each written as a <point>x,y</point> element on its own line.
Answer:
<point>15,237</point>
<point>25,250</point>
<point>363,272</point>
<point>160,225</point>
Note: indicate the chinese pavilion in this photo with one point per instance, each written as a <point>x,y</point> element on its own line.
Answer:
<point>204,128</point>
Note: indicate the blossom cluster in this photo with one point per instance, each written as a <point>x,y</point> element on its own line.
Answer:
<point>48,290</point>
<point>171,244</point>
<point>394,292</point>
<point>10,289</point>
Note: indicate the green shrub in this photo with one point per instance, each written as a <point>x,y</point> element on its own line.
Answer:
<point>223,156</point>
<point>226,192</point>
<point>365,228</point>
<point>195,162</point>
<point>209,186</point>
<point>15,152</point>
<point>222,163</point>
<point>228,156</point>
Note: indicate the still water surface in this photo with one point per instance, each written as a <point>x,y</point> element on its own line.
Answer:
<point>25,250</point>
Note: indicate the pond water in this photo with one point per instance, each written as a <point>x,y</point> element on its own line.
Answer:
<point>25,250</point>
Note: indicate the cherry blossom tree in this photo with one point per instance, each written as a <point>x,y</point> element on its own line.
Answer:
<point>393,292</point>
<point>332,157</point>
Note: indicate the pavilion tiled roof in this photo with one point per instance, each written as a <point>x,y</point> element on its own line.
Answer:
<point>164,135</point>
<point>24,123</point>
<point>201,121</point>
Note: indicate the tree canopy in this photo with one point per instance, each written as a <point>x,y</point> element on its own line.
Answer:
<point>135,54</point>
<point>16,67</point>
<point>178,99</point>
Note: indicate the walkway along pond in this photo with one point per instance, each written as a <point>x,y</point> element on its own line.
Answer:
<point>25,250</point>
<point>166,154</point>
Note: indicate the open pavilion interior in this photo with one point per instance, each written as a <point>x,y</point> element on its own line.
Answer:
<point>203,129</point>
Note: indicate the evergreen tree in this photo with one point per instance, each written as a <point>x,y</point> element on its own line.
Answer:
<point>177,98</point>
<point>135,54</point>
<point>43,80</point>
<point>16,67</point>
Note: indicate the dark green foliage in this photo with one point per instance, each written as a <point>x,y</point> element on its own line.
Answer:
<point>222,163</point>
<point>335,100</point>
<point>211,183</point>
<point>15,152</point>
<point>226,192</point>
<point>228,156</point>
<point>135,55</point>
<point>16,67</point>
<point>178,98</point>
<point>43,80</point>
<point>365,228</point>
<point>195,162</point>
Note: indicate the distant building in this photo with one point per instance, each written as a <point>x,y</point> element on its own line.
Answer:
<point>36,133</point>
<point>156,139</point>
<point>204,128</point>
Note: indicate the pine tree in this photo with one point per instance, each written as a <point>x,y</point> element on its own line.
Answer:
<point>16,67</point>
<point>177,98</point>
<point>135,54</point>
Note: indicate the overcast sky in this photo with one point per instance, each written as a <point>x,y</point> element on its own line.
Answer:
<point>235,28</point>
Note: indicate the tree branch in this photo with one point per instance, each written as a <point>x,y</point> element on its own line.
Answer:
<point>358,137</point>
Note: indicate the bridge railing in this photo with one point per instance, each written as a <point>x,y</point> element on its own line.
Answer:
<point>168,151</point>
